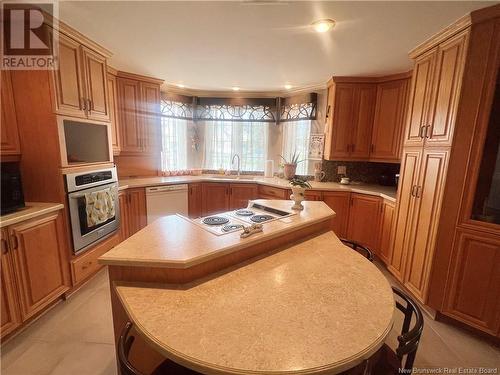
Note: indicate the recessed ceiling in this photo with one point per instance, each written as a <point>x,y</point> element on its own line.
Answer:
<point>259,46</point>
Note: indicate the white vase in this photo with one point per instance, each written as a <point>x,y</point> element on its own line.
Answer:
<point>297,197</point>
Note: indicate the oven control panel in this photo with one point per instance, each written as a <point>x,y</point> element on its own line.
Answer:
<point>85,179</point>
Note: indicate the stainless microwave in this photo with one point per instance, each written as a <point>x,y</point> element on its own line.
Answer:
<point>84,142</point>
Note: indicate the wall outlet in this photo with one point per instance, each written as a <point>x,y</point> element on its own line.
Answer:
<point>341,169</point>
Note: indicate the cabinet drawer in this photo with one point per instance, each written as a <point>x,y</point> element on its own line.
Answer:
<point>270,192</point>
<point>87,264</point>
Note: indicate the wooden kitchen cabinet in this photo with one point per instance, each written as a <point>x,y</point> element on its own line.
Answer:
<point>137,214</point>
<point>406,203</point>
<point>313,195</point>
<point>339,202</point>
<point>427,195</point>
<point>215,198</point>
<point>113,112</point>
<point>124,215</point>
<point>389,121</point>
<point>194,200</point>
<point>40,262</point>
<point>240,194</point>
<point>95,73</point>
<point>385,231</point>
<point>271,192</point>
<point>80,82</point>
<point>9,132</point>
<point>138,108</point>
<point>364,108</point>
<point>9,314</point>
<point>474,287</point>
<point>364,219</point>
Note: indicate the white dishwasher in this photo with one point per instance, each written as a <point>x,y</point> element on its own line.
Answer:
<point>166,200</point>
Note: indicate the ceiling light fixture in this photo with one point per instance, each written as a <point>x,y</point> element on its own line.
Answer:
<point>288,86</point>
<point>236,88</point>
<point>180,85</point>
<point>322,26</point>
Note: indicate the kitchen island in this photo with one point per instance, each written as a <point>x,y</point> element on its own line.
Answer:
<point>291,299</point>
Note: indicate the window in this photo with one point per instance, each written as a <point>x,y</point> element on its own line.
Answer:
<point>223,139</point>
<point>296,139</point>
<point>174,144</point>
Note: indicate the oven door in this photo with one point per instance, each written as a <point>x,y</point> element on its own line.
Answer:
<point>89,224</point>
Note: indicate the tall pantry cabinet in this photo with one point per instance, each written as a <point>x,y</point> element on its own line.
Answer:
<point>428,257</point>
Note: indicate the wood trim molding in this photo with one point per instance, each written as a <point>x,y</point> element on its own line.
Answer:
<point>373,79</point>
<point>457,26</point>
<point>139,77</point>
<point>112,71</point>
<point>485,14</point>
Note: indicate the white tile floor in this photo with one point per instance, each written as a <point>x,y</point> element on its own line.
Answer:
<point>76,338</point>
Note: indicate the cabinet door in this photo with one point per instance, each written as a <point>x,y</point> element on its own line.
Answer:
<point>385,246</point>
<point>194,202</point>
<point>113,113</point>
<point>40,262</point>
<point>131,132</point>
<point>389,121</point>
<point>150,110</point>
<point>270,192</point>
<point>364,218</point>
<point>70,98</point>
<point>338,202</point>
<point>474,284</point>
<point>215,198</point>
<point>363,121</point>
<point>313,195</point>
<point>404,210</point>
<point>9,132</point>
<point>420,98</point>
<point>124,215</point>
<point>137,210</point>
<point>96,85</point>
<point>240,194</point>
<point>447,83</point>
<point>10,316</point>
<point>343,121</point>
<point>426,217</point>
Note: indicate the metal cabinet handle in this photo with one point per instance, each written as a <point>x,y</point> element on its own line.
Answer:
<point>15,243</point>
<point>420,131</point>
<point>427,128</point>
<point>83,104</point>
<point>417,192</point>
<point>412,191</point>
<point>353,147</point>
<point>372,148</point>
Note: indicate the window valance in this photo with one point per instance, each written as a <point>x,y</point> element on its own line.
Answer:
<point>300,107</point>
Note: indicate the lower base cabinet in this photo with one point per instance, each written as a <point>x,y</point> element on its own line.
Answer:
<point>133,214</point>
<point>35,268</point>
<point>194,201</point>
<point>215,198</point>
<point>339,202</point>
<point>385,245</point>
<point>364,219</point>
<point>240,194</point>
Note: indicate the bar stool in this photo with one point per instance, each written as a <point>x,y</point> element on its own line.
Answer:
<point>390,361</point>
<point>363,250</point>
<point>126,368</point>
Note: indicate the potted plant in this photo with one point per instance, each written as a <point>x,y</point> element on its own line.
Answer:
<point>290,166</point>
<point>299,187</point>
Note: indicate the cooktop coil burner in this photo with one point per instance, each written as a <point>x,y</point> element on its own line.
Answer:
<point>261,218</point>
<point>244,212</point>
<point>231,227</point>
<point>215,220</point>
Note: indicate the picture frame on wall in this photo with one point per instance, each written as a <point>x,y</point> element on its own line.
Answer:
<point>316,146</point>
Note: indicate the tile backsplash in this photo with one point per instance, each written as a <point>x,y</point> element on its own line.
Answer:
<point>359,171</point>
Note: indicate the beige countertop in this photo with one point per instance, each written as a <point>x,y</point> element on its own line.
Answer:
<point>317,307</point>
<point>386,192</point>
<point>176,242</point>
<point>32,209</point>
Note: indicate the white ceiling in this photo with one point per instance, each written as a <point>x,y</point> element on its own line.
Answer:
<point>217,45</point>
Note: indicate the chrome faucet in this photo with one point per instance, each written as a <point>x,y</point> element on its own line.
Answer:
<point>232,162</point>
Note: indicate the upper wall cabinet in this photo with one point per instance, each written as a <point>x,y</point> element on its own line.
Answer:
<point>9,132</point>
<point>80,81</point>
<point>365,118</point>
<point>389,121</point>
<point>435,93</point>
<point>113,111</point>
<point>138,100</point>
<point>349,122</point>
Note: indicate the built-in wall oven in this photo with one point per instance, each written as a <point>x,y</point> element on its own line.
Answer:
<point>93,206</point>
